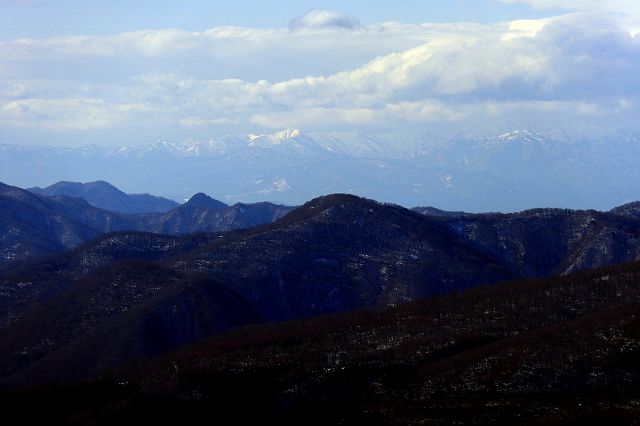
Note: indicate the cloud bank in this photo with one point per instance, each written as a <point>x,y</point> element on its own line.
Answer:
<point>565,70</point>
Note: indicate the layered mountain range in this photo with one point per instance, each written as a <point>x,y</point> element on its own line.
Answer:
<point>33,225</point>
<point>341,310</point>
<point>508,172</point>
<point>127,295</point>
<point>107,197</point>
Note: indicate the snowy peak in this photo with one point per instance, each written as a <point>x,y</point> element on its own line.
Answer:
<point>525,136</point>
<point>276,138</point>
<point>223,145</point>
<point>164,146</point>
<point>284,135</point>
<point>252,136</point>
<point>519,139</point>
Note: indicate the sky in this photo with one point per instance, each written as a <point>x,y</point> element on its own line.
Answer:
<point>119,72</point>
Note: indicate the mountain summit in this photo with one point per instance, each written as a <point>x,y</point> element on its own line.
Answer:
<point>103,195</point>
<point>204,201</point>
<point>275,138</point>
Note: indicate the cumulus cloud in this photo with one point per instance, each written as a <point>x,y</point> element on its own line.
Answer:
<point>574,67</point>
<point>221,52</point>
<point>71,114</point>
<point>626,11</point>
<point>316,19</point>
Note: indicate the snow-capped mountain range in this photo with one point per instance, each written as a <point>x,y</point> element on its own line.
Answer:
<point>508,172</point>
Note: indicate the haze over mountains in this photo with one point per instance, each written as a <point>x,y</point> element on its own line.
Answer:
<point>509,172</point>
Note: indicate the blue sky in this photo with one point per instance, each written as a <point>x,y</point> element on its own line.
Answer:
<point>42,18</point>
<point>75,72</point>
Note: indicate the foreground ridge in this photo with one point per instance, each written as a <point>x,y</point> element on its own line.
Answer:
<point>556,350</point>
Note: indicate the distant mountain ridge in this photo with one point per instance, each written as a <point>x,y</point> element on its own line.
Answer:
<point>202,213</point>
<point>508,172</point>
<point>33,225</point>
<point>106,196</point>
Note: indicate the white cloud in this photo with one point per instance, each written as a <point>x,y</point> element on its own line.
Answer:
<point>71,113</point>
<point>222,52</point>
<point>575,66</point>
<point>626,11</point>
<point>622,6</point>
<point>197,121</point>
<point>322,19</point>
<point>400,113</point>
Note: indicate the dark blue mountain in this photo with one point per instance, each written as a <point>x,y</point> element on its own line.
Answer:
<point>106,196</point>
<point>33,225</point>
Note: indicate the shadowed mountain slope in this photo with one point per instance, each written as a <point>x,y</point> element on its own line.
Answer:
<point>546,351</point>
<point>103,195</point>
<point>28,284</point>
<point>334,254</point>
<point>560,349</point>
<point>544,242</point>
<point>629,209</point>
<point>34,225</point>
<point>203,213</point>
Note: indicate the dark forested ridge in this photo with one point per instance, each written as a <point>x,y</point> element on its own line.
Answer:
<point>333,254</point>
<point>542,242</point>
<point>527,348</point>
<point>629,209</point>
<point>546,351</point>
